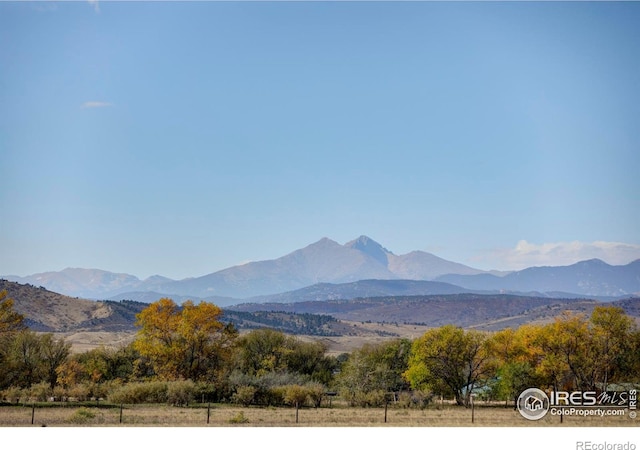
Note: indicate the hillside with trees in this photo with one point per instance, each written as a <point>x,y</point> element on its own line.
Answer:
<point>185,352</point>
<point>47,311</point>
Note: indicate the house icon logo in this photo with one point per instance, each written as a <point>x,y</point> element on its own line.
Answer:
<point>533,404</point>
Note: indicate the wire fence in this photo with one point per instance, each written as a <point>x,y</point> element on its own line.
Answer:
<point>224,415</point>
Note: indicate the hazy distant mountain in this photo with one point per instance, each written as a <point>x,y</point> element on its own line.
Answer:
<point>416,265</point>
<point>360,289</point>
<point>327,261</point>
<point>323,261</point>
<point>78,282</point>
<point>89,283</point>
<point>419,265</point>
<point>372,248</point>
<point>591,278</point>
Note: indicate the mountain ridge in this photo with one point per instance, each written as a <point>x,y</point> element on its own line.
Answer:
<point>47,311</point>
<point>322,261</point>
<point>327,261</point>
<point>592,277</point>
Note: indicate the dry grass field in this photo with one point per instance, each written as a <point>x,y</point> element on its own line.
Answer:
<point>335,416</point>
<point>82,341</point>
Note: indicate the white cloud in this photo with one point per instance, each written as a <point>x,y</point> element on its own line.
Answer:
<point>95,4</point>
<point>526,254</point>
<point>96,105</point>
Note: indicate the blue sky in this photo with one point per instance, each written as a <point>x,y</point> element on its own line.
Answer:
<point>181,138</point>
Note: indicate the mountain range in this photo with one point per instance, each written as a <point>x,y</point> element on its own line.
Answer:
<point>328,270</point>
<point>89,324</point>
<point>592,278</point>
<point>48,311</point>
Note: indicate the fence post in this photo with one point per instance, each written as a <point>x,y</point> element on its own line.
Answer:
<point>33,412</point>
<point>473,407</point>
<point>208,411</point>
<point>120,412</point>
<point>386,403</point>
<point>297,405</point>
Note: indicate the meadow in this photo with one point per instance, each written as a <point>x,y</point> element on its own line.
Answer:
<point>338,415</point>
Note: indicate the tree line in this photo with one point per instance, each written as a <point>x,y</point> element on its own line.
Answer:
<point>183,353</point>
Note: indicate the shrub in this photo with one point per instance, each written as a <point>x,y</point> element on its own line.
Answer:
<point>239,418</point>
<point>296,395</point>
<point>146,392</point>
<point>80,416</point>
<point>102,390</point>
<point>267,386</point>
<point>421,399</point>
<point>404,400</point>
<point>60,393</point>
<point>79,392</point>
<point>365,399</point>
<point>277,394</point>
<point>315,392</point>
<point>40,392</point>
<point>414,399</point>
<point>13,394</point>
<point>244,395</point>
<point>180,392</point>
<point>207,392</point>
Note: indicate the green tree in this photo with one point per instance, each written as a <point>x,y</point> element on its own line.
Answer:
<point>310,359</point>
<point>373,371</point>
<point>395,354</point>
<point>11,323</point>
<point>268,360</point>
<point>262,351</point>
<point>95,364</point>
<point>449,361</point>
<point>53,353</point>
<point>33,358</point>
<point>24,359</point>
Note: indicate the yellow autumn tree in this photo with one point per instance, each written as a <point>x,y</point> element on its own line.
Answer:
<point>449,360</point>
<point>568,361</point>
<point>184,342</point>
<point>587,353</point>
<point>10,320</point>
<point>517,358</point>
<point>612,344</point>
